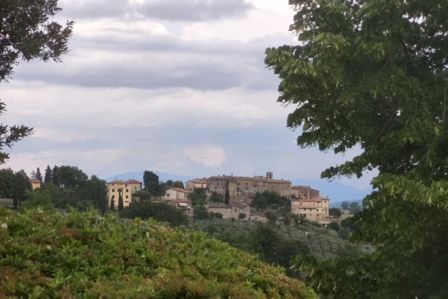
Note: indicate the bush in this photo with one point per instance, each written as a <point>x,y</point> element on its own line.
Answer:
<point>159,211</point>
<point>86,255</point>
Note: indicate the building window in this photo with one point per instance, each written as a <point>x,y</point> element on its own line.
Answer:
<point>127,190</point>
<point>127,196</point>
<point>113,190</point>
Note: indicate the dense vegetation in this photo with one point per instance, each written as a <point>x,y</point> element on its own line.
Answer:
<point>372,75</point>
<point>279,243</point>
<point>83,254</point>
<point>159,211</point>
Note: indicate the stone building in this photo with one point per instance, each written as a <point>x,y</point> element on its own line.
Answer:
<point>35,184</point>
<point>197,184</point>
<point>298,192</point>
<point>234,210</point>
<point>179,198</point>
<point>313,209</point>
<point>125,188</point>
<point>172,194</point>
<point>245,187</point>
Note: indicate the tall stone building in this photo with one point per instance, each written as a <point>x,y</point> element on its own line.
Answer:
<point>245,187</point>
<point>308,203</point>
<point>126,188</point>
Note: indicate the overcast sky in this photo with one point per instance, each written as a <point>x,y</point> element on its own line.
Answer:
<point>177,86</point>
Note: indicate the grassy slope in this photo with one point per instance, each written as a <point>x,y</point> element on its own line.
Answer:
<point>45,254</point>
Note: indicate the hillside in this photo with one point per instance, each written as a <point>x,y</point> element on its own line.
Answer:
<point>47,254</point>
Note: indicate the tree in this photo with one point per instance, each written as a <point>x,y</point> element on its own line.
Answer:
<point>94,191</point>
<point>216,197</point>
<point>159,211</point>
<point>69,177</point>
<point>48,178</point>
<point>355,208</point>
<point>38,175</point>
<point>173,184</point>
<point>335,212</point>
<point>345,205</point>
<point>27,33</point>
<point>200,212</point>
<point>198,197</point>
<point>55,176</point>
<point>151,183</point>
<point>120,202</point>
<point>227,197</point>
<point>7,181</point>
<point>22,185</point>
<point>373,74</point>
<point>112,203</point>
<point>334,226</point>
<point>142,196</point>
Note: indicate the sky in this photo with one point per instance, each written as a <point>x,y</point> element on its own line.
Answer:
<point>176,86</point>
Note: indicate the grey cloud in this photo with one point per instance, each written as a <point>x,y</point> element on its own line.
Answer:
<point>149,74</point>
<point>173,10</point>
<point>193,10</point>
<point>94,8</point>
<point>156,62</point>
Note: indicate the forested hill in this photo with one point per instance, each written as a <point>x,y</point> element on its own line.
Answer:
<point>50,254</point>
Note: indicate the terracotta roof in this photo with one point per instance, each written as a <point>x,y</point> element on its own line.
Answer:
<point>35,181</point>
<point>120,182</point>
<point>254,179</point>
<point>178,190</point>
<point>200,181</point>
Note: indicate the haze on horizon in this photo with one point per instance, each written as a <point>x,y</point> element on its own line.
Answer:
<point>173,86</point>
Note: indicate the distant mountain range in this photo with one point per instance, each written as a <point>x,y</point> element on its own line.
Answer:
<point>336,191</point>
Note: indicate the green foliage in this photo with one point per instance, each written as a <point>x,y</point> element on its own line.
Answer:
<point>278,243</point>
<point>173,184</point>
<point>112,203</point>
<point>373,73</point>
<point>7,180</point>
<point>151,183</point>
<point>120,202</point>
<point>198,197</point>
<point>22,185</point>
<point>334,226</point>
<point>48,178</point>
<point>216,197</point>
<point>41,198</point>
<point>227,197</point>
<point>70,177</point>
<point>274,204</point>
<point>38,175</point>
<point>14,185</point>
<point>335,212</point>
<point>142,196</point>
<point>86,255</point>
<point>159,211</point>
<point>200,212</point>
<point>95,192</point>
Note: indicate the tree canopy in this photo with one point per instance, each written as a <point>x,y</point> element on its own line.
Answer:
<point>372,74</point>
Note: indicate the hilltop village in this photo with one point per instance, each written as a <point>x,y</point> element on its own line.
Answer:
<point>237,194</point>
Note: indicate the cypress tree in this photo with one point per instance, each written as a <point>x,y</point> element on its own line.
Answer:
<point>120,202</point>
<point>112,204</point>
<point>55,177</point>
<point>227,197</point>
<point>48,175</point>
<point>39,175</point>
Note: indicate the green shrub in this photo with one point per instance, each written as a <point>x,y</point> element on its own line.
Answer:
<point>86,255</point>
